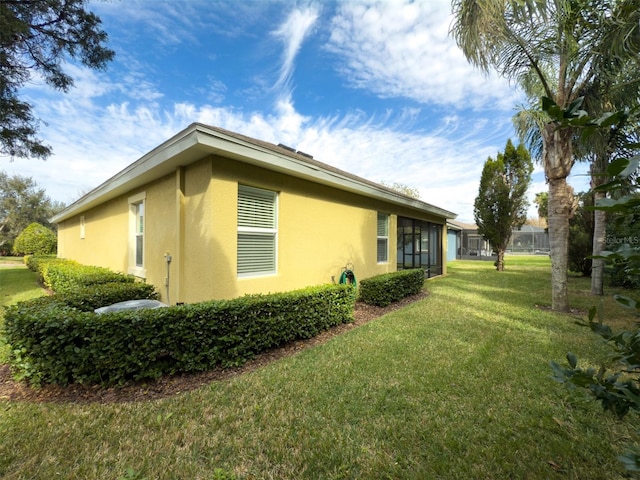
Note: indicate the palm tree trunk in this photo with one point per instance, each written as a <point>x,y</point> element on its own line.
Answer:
<point>557,157</point>
<point>598,177</point>
<point>559,214</point>
<point>500,260</point>
<point>599,233</point>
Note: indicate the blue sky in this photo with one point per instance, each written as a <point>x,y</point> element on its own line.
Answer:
<point>377,88</point>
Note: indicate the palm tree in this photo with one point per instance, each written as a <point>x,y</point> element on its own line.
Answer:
<point>599,148</point>
<point>559,43</point>
<point>605,145</point>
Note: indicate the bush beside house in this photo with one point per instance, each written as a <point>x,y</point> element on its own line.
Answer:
<point>36,239</point>
<point>385,289</point>
<point>61,275</point>
<point>53,342</point>
<point>59,339</point>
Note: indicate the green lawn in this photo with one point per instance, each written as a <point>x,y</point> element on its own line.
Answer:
<point>17,283</point>
<point>456,386</point>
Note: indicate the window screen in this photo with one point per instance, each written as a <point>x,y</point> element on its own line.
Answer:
<point>257,231</point>
<point>383,238</point>
<point>139,233</point>
<point>136,235</point>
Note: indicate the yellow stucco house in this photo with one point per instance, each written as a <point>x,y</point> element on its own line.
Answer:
<point>211,214</point>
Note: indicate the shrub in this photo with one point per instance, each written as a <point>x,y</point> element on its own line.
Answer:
<point>38,263</point>
<point>35,263</point>
<point>383,290</point>
<point>67,276</point>
<point>622,230</point>
<point>581,236</point>
<point>52,342</point>
<point>87,299</point>
<point>6,249</point>
<point>63,275</point>
<point>616,386</point>
<point>35,239</point>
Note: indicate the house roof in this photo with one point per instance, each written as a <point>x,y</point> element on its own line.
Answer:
<point>198,141</point>
<point>463,226</point>
<point>472,226</point>
<point>530,229</point>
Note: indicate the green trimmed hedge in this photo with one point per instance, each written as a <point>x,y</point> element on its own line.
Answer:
<point>385,289</point>
<point>52,342</point>
<point>37,263</point>
<point>86,288</point>
<point>87,299</point>
<point>66,275</point>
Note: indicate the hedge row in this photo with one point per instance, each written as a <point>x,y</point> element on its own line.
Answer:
<point>383,290</point>
<point>97,288</point>
<point>67,275</point>
<point>53,342</point>
<point>87,299</point>
<point>38,263</point>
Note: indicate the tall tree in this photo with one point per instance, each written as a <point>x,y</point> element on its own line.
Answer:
<point>605,146</point>
<point>36,36</point>
<point>616,385</point>
<point>606,94</point>
<point>501,204</point>
<point>560,44</point>
<point>22,203</point>
<point>542,202</point>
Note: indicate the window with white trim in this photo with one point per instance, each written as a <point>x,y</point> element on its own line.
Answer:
<point>82,227</point>
<point>383,238</point>
<point>257,231</point>
<point>136,234</point>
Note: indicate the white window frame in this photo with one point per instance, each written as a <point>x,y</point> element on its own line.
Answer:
<point>258,229</point>
<point>382,236</point>
<point>134,231</point>
<point>82,227</point>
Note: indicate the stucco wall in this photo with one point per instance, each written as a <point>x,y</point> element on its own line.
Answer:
<point>192,216</point>
<point>198,246</point>
<point>320,231</point>
<point>160,231</point>
<point>106,228</point>
<point>106,236</point>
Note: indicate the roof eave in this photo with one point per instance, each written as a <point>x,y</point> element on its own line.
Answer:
<point>199,141</point>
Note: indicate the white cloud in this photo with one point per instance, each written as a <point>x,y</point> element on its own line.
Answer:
<point>167,23</point>
<point>389,48</point>
<point>403,49</point>
<point>136,86</point>
<point>93,144</point>
<point>292,33</point>
<point>215,90</point>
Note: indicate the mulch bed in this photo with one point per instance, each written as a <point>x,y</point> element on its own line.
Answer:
<point>172,385</point>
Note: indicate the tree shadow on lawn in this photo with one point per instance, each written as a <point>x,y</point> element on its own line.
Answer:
<point>512,287</point>
<point>170,385</point>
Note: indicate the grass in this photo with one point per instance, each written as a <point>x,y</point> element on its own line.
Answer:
<point>456,386</point>
<point>17,284</point>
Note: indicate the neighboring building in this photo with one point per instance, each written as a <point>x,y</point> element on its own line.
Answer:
<point>527,239</point>
<point>454,241</point>
<point>472,245</point>
<point>211,214</point>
